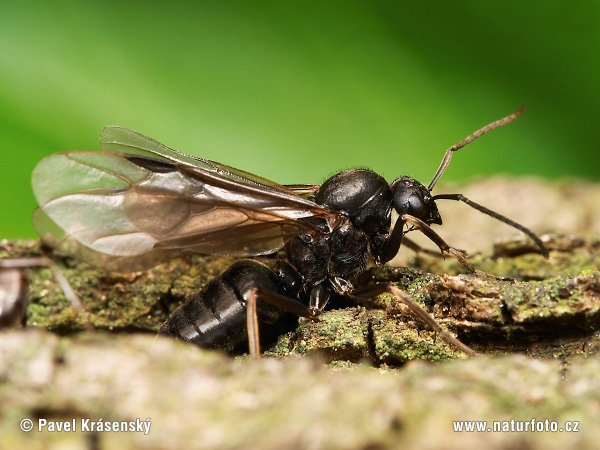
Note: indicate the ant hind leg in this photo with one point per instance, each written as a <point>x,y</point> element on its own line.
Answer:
<point>374,290</point>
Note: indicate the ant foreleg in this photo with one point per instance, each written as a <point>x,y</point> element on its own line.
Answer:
<point>445,248</point>
<point>397,238</point>
<point>374,290</point>
<point>390,247</point>
<point>418,249</point>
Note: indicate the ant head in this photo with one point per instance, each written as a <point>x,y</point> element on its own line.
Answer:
<point>411,197</point>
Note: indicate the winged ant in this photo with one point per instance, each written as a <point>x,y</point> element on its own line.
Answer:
<point>136,203</point>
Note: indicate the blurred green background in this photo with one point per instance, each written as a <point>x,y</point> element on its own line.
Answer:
<point>295,91</point>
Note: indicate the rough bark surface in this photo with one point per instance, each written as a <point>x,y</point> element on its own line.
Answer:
<point>357,383</point>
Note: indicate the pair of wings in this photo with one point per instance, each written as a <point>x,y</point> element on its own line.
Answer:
<point>136,203</point>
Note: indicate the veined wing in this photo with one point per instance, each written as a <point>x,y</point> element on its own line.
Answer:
<point>128,142</point>
<point>303,190</point>
<point>138,203</point>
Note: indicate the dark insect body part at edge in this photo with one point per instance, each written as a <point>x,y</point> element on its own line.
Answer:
<point>137,203</point>
<point>14,288</point>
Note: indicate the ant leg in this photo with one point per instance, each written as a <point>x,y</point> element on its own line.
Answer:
<point>418,249</point>
<point>252,325</point>
<point>319,297</point>
<point>391,246</point>
<point>280,301</point>
<point>380,288</point>
<point>445,248</point>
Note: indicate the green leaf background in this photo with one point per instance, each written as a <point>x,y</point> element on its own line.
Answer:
<point>295,91</point>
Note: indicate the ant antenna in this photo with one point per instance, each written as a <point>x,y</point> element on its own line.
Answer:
<point>495,215</point>
<point>448,155</point>
<point>471,203</point>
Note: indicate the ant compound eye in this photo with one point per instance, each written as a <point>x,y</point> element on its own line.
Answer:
<point>410,202</point>
<point>416,206</point>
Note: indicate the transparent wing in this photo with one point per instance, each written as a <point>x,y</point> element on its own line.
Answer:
<point>138,203</point>
<point>128,142</point>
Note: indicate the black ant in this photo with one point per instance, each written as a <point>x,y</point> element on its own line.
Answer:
<point>136,203</point>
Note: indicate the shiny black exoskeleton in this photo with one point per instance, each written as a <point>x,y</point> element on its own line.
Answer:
<point>216,316</point>
<point>322,263</point>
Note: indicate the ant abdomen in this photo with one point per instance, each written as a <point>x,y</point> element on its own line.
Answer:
<point>215,317</point>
